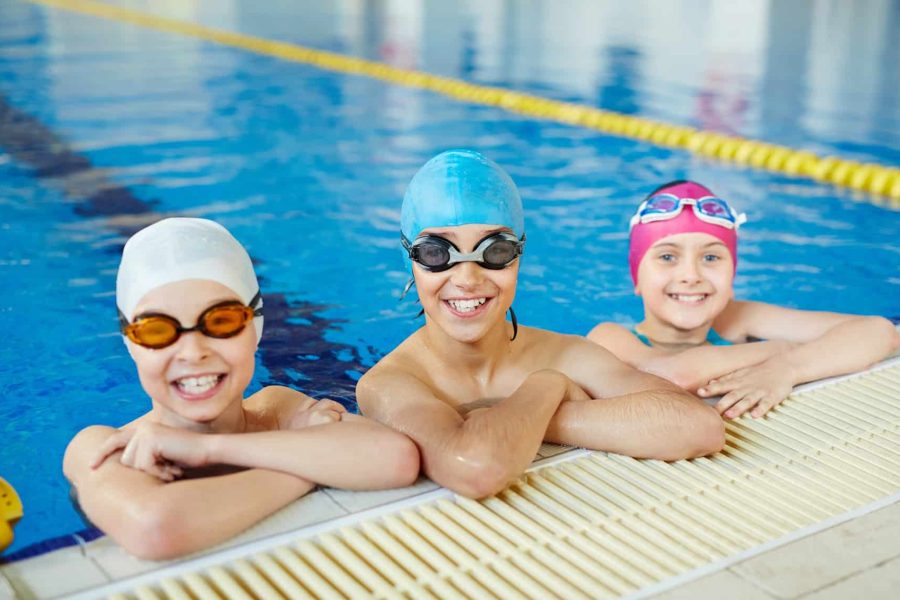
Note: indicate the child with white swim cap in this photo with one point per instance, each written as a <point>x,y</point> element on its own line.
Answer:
<point>204,464</point>
<point>683,259</point>
<point>478,394</point>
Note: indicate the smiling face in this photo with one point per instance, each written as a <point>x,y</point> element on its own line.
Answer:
<point>198,379</point>
<point>466,301</point>
<point>685,281</point>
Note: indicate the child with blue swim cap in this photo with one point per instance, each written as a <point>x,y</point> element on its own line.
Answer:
<point>204,464</point>
<point>477,396</point>
<point>683,258</point>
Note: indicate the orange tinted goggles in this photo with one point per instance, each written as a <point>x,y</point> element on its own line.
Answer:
<point>223,320</point>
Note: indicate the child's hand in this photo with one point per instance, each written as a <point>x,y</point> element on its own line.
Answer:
<point>757,389</point>
<point>320,412</point>
<point>155,449</point>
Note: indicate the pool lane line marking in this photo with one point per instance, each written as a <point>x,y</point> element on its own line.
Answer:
<point>879,180</point>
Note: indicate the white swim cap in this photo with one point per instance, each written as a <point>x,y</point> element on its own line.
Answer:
<point>182,248</point>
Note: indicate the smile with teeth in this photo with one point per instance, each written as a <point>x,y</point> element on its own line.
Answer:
<point>466,305</point>
<point>688,297</point>
<point>198,385</point>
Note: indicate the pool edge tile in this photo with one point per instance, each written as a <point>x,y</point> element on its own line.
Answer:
<point>7,591</point>
<point>310,509</point>
<point>815,562</point>
<point>358,501</point>
<point>63,571</point>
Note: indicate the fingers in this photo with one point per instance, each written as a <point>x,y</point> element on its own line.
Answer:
<point>166,471</point>
<point>724,384</point>
<point>765,405</point>
<point>113,443</point>
<point>728,400</point>
<point>737,402</point>
<point>750,400</point>
<point>142,458</point>
<point>327,404</point>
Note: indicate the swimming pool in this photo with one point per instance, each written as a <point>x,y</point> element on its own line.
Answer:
<point>104,127</point>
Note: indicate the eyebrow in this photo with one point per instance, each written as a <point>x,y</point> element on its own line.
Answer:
<point>680,247</point>
<point>450,235</point>
<point>153,311</point>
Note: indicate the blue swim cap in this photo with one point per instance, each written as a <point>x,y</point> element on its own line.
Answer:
<point>460,187</point>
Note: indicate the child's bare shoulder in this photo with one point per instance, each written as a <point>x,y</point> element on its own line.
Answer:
<point>275,405</point>
<point>621,341</point>
<point>82,447</point>
<point>609,332</point>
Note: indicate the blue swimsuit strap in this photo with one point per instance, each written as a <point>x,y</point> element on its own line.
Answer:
<point>715,339</point>
<point>712,337</point>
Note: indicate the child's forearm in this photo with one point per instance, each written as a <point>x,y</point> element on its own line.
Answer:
<point>662,424</point>
<point>694,368</point>
<point>496,441</point>
<point>166,520</point>
<point>845,348</point>
<point>354,454</point>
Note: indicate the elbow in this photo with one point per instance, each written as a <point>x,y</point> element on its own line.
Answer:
<point>704,434</point>
<point>886,332</point>
<point>403,462</point>
<point>893,334</point>
<point>155,535</point>
<point>686,379</point>
<point>707,434</point>
<point>670,369</point>
<point>476,477</point>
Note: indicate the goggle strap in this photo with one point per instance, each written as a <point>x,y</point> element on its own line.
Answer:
<point>406,288</point>
<point>257,312</point>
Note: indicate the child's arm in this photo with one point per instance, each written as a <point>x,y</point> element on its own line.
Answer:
<point>156,520</point>
<point>633,413</point>
<point>689,369</point>
<point>354,453</point>
<point>825,345</point>
<point>479,454</point>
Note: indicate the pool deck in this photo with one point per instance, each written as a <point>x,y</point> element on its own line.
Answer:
<point>859,556</point>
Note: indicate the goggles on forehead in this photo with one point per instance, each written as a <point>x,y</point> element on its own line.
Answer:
<point>436,254</point>
<point>709,209</point>
<point>222,320</point>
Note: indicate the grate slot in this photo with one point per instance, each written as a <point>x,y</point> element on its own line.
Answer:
<point>296,566</point>
<point>225,582</point>
<point>279,577</point>
<point>346,585</point>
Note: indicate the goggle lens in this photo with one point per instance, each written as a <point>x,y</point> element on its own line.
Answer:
<point>430,254</point>
<point>714,207</point>
<point>226,321</point>
<point>500,253</point>
<point>153,332</point>
<point>158,331</point>
<point>660,204</point>
<point>667,206</point>
<point>437,254</point>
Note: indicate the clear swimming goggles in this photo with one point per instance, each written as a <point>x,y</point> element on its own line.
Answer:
<point>709,209</point>
<point>437,254</point>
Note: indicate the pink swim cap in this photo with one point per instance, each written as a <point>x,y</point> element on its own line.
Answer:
<point>644,235</point>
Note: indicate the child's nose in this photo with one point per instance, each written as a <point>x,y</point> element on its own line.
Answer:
<point>689,272</point>
<point>467,275</point>
<point>193,346</point>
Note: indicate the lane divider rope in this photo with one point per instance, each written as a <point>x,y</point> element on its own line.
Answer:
<point>876,179</point>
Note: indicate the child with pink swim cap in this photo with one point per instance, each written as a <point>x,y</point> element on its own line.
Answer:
<point>683,259</point>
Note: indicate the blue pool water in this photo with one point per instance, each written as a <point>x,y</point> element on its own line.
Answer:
<point>105,127</point>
